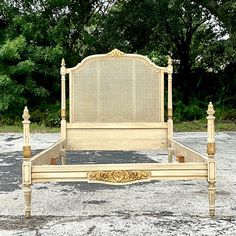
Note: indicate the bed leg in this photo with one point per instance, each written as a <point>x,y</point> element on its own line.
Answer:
<point>27,198</point>
<point>212,197</point>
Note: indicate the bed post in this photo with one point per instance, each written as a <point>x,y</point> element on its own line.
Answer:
<point>63,99</point>
<point>26,166</point>
<point>63,107</point>
<point>211,160</point>
<point>170,109</point>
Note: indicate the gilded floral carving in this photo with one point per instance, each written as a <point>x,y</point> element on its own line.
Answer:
<point>119,176</point>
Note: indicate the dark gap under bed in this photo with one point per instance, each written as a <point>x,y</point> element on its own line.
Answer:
<point>115,157</point>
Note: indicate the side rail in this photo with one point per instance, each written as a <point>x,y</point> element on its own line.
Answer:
<point>50,155</point>
<point>183,153</point>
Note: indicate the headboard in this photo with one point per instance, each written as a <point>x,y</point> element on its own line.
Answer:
<point>116,89</point>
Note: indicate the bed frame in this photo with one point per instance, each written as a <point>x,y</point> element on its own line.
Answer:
<point>117,103</point>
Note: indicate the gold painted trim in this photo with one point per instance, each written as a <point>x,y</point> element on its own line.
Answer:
<point>63,113</point>
<point>170,113</point>
<point>116,53</point>
<point>118,176</point>
<point>26,151</point>
<point>211,148</point>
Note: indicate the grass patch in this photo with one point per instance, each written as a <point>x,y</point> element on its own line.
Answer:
<point>185,126</point>
<point>34,128</point>
<point>201,125</point>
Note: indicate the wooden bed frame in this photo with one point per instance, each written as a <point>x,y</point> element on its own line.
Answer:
<point>117,103</point>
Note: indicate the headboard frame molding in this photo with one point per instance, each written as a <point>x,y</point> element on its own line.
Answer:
<point>116,53</point>
<point>117,87</point>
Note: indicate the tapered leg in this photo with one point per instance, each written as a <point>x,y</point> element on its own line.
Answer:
<point>212,197</point>
<point>27,199</point>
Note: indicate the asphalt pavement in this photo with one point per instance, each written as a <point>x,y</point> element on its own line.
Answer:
<point>153,208</point>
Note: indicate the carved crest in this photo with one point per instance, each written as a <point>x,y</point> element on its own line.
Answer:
<point>118,176</point>
<point>26,115</point>
<point>116,53</point>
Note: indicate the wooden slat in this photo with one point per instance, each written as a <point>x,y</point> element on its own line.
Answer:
<point>190,177</point>
<point>59,175</point>
<point>182,173</point>
<point>189,154</point>
<point>138,166</point>
<point>154,174</point>
<point>124,125</point>
<point>154,178</point>
<point>126,145</point>
<point>116,134</point>
<point>58,180</point>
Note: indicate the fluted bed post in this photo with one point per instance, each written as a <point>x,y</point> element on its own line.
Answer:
<point>211,160</point>
<point>26,166</point>
<point>63,99</point>
<point>170,108</point>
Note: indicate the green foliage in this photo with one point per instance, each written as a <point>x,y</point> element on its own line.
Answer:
<point>52,115</point>
<point>36,36</point>
<point>12,49</point>
<point>226,114</point>
<point>11,94</point>
<point>48,115</point>
<point>52,120</point>
<point>194,111</point>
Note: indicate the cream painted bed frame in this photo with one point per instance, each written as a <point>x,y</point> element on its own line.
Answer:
<point>188,164</point>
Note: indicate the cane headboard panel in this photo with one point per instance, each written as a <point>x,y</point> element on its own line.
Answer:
<point>116,87</point>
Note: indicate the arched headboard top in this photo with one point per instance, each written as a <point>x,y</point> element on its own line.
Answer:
<point>116,87</point>
<point>116,54</point>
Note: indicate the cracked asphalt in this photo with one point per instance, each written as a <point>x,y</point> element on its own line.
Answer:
<point>153,208</point>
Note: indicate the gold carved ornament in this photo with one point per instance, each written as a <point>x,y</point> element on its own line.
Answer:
<point>26,151</point>
<point>211,148</point>
<point>116,53</point>
<point>118,176</point>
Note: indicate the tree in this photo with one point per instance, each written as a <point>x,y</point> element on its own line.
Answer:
<point>225,11</point>
<point>35,37</point>
<point>177,26</point>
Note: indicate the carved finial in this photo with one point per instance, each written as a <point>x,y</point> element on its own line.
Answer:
<point>63,67</point>
<point>116,53</point>
<point>63,64</point>
<point>210,110</point>
<point>169,61</point>
<point>26,115</point>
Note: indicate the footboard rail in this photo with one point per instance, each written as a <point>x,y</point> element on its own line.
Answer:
<point>119,174</point>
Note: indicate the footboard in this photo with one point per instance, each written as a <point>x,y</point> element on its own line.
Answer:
<point>119,173</point>
<point>116,136</point>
